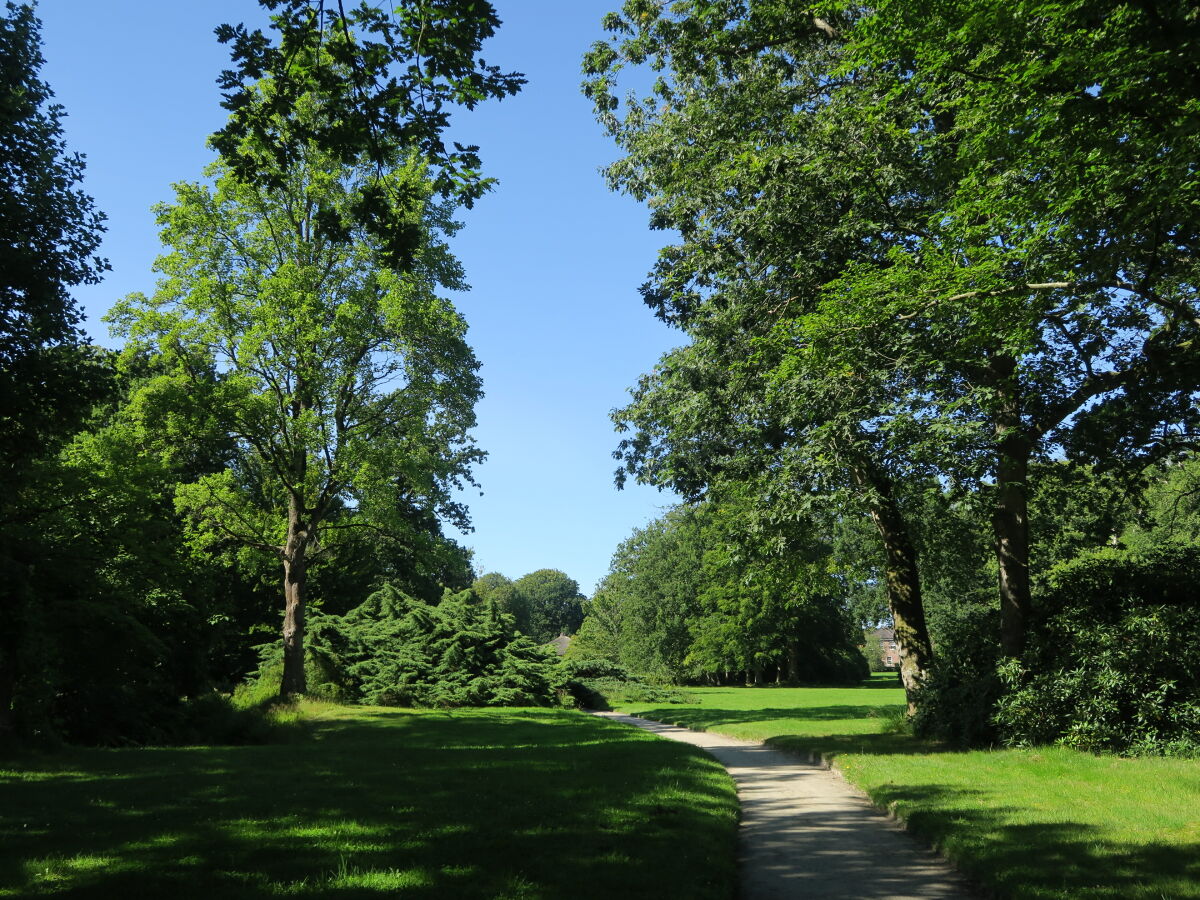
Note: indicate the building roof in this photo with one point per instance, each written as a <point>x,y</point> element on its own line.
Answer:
<point>560,644</point>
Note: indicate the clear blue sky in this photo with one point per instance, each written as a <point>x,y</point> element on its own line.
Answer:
<point>554,258</point>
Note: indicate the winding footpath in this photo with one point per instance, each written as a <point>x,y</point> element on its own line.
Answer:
<point>806,833</point>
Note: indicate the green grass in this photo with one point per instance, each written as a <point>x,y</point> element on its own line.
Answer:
<point>1047,823</point>
<point>468,803</point>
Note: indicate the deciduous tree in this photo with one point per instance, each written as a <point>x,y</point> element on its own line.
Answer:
<point>346,385</point>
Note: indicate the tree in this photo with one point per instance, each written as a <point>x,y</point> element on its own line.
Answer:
<point>743,145</point>
<point>49,379</point>
<point>396,650</point>
<point>49,233</point>
<point>707,591</point>
<point>1051,295</point>
<point>650,595</point>
<point>393,74</point>
<point>911,253</point>
<point>548,604</point>
<point>347,386</point>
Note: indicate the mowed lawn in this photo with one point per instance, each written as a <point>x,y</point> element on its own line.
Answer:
<point>469,803</point>
<point>1046,823</point>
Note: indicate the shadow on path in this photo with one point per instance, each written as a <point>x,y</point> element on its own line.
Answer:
<point>806,833</point>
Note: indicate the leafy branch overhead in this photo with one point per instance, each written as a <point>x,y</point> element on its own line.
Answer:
<point>395,77</point>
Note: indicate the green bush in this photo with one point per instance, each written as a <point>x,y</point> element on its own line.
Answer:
<point>396,650</point>
<point>956,702</point>
<point>601,683</point>
<point>1113,661</point>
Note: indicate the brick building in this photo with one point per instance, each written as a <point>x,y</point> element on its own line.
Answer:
<point>889,650</point>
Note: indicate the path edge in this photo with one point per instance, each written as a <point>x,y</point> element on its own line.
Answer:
<point>826,761</point>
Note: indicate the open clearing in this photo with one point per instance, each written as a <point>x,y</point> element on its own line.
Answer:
<point>1044,823</point>
<point>528,803</point>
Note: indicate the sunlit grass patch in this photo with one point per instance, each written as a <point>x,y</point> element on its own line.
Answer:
<point>1043,823</point>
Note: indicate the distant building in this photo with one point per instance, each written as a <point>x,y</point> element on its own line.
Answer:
<point>889,650</point>
<point>560,644</point>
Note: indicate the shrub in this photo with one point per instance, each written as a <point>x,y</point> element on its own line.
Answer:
<point>396,650</point>
<point>956,702</point>
<point>600,683</point>
<point>1113,661</point>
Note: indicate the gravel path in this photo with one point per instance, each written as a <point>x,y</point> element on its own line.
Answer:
<point>806,833</point>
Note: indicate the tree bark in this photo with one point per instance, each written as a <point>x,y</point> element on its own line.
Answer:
<point>1010,528</point>
<point>1010,513</point>
<point>8,683</point>
<point>903,583</point>
<point>793,662</point>
<point>295,578</point>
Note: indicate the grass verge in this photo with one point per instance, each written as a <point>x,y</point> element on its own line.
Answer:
<point>469,803</point>
<point>1046,823</point>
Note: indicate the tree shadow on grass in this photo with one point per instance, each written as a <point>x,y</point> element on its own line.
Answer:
<point>990,843</point>
<point>432,805</point>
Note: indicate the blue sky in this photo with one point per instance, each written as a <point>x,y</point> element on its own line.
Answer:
<point>554,259</point>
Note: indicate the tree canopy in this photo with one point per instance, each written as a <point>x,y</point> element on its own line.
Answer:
<point>394,76</point>
<point>907,250</point>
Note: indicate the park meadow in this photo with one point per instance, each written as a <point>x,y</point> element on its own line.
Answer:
<point>924,432</point>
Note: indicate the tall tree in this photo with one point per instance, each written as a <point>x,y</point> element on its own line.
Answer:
<point>549,604</point>
<point>1052,293</point>
<point>49,234</point>
<point>926,246</point>
<point>346,385</point>
<point>747,144</point>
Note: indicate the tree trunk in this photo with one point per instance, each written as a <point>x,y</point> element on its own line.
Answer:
<point>1010,527</point>
<point>793,662</point>
<point>903,584</point>
<point>295,577</point>
<point>8,684</point>
<point>1010,514</point>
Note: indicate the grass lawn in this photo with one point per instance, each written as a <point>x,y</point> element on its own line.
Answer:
<point>1048,823</point>
<point>468,803</point>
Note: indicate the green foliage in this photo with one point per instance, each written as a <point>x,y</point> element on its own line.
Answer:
<point>546,603</point>
<point>709,590</point>
<point>872,651</point>
<point>914,245</point>
<point>1169,507</point>
<point>49,378</point>
<point>345,386</point>
<point>394,75</point>
<point>957,698</point>
<point>49,234</point>
<point>1113,664</point>
<point>104,566</point>
<point>396,650</point>
<point>599,683</point>
<point>650,595</point>
<point>593,641</point>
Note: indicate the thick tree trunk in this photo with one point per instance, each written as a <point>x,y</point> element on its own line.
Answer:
<point>1010,527</point>
<point>1010,514</point>
<point>903,584</point>
<point>793,662</point>
<point>295,577</point>
<point>758,674</point>
<point>8,684</point>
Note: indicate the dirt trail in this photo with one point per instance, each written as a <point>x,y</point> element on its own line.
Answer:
<point>806,833</point>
